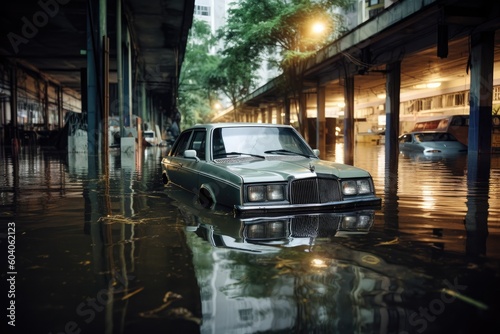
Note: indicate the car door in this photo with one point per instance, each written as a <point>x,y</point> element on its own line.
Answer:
<point>185,171</point>
<point>176,160</point>
<point>415,143</point>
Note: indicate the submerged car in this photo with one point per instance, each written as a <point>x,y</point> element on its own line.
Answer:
<point>430,143</point>
<point>255,168</point>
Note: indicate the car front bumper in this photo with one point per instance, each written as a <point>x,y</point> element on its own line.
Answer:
<point>371,203</point>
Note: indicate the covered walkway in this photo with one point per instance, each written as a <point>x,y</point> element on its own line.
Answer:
<point>414,59</point>
<point>94,58</point>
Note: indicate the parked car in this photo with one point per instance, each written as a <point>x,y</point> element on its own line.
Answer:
<point>150,138</point>
<point>430,143</point>
<point>262,168</point>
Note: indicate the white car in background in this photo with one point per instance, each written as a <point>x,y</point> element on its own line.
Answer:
<point>150,138</point>
<point>439,143</point>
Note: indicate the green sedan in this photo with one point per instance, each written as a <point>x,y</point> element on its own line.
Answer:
<point>262,168</point>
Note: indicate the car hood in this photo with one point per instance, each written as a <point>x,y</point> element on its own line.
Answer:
<point>282,170</point>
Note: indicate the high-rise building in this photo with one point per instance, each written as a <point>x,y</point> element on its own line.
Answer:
<point>214,12</point>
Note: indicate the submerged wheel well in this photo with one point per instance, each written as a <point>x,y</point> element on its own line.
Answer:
<point>205,198</point>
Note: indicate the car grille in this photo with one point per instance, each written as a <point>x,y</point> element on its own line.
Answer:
<point>314,190</point>
<point>315,226</point>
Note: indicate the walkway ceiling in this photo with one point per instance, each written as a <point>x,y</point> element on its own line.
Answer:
<point>51,37</point>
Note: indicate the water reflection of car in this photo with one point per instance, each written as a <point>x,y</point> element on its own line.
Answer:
<point>262,168</point>
<point>259,234</point>
<point>267,234</point>
<point>431,143</point>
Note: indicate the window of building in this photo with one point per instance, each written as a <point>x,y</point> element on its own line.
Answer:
<point>496,93</point>
<point>246,314</point>
<point>202,10</point>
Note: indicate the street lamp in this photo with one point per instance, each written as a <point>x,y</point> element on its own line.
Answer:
<point>318,28</point>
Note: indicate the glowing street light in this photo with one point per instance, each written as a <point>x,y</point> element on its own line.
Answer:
<point>318,28</point>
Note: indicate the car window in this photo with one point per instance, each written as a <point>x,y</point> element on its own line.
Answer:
<point>440,136</point>
<point>218,147</point>
<point>405,139</point>
<point>257,140</point>
<point>181,144</point>
<point>198,143</point>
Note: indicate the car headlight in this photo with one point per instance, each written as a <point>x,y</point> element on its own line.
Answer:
<point>275,193</point>
<point>263,193</point>
<point>349,222</point>
<point>356,187</point>
<point>266,230</point>
<point>357,222</point>
<point>256,193</point>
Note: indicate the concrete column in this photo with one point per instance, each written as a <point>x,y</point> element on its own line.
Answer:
<point>96,29</point>
<point>46,104</point>
<point>105,105</point>
<point>321,121</point>
<point>269,114</point>
<point>481,92</point>
<point>92,89</point>
<point>127,81</point>
<point>3,121</point>
<point>84,87</point>
<point>13,107</point>
<point>349,119</point>
<point>286,119</point>
<point>142,112</point>
<point>393,86</point>
<point>303,114</point>
<point>60,108</point>
<point>119,65</point>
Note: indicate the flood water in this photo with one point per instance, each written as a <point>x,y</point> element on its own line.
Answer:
<point>119,252</point>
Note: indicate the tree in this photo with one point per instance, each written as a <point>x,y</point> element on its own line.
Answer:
<point>233,77</point>
<point>196,95</point>
<point>283,28</point>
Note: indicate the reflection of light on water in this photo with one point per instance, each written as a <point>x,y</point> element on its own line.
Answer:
<point>318,263</point>
<point>428,199</point>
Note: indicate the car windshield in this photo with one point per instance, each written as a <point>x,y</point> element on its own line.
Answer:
<point>258,141</point>
<point>441,136</point>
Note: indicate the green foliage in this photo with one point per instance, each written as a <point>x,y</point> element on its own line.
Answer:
<point>196,95</point>
<point>255,29</point>
<point>233,77</point>
<point>281,26</point>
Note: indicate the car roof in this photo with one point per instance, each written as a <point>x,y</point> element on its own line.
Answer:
<point>210,126</point>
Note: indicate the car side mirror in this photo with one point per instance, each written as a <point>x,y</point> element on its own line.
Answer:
<point>316,152</point>
<point>191,154</point>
